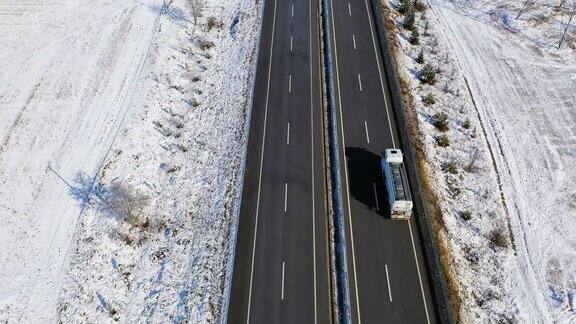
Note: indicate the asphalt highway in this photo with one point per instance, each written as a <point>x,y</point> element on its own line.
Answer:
<point>281,263</point>
<point>387,278</point>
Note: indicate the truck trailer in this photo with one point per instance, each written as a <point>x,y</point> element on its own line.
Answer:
<point>397,187</point>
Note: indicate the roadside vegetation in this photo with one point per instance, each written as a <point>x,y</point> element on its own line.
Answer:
<point>452,154</point>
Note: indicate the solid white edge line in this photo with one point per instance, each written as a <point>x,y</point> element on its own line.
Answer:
<point>418,270</point>
<point>380,74</point>
<point>290,84</point>
<point>282,294</point>
<point>261,164</point>
<point>360,82</point>
<point>366,129</point>
<point>354,41</point>
<point>313,173</point>
<point>345,166</point>
<point>388,282</point>
<point>285,196</point>
<point>288,135</point>
<point>376,196</point>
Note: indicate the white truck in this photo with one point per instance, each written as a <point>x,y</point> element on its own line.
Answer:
<point>396,181</point>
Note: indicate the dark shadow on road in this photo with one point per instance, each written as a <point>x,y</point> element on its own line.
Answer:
<point>365,179</point>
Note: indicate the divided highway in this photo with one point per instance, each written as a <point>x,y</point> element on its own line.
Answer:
<point>386,273</point>
<point>281,272</point>
<point>281,261</point>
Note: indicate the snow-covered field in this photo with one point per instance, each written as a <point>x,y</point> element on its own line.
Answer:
<point>508,96</point>
<point>67,76</point>
<point>134,93</point>
<point>524,89</point>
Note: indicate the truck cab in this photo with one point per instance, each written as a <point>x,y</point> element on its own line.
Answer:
<point>396,182</point>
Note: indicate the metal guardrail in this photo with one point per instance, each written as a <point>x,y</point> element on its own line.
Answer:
<point>435,273</point>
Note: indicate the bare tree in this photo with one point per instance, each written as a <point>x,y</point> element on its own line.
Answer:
<point>568,24</point>
<point>527,3</point>
<point>470,166</point>
<point>124,201</point>
<point>197,7</point>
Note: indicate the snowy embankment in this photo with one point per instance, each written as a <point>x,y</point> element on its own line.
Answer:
<point>123,99</point>
<point>182,150</point>
<point>498,131</point>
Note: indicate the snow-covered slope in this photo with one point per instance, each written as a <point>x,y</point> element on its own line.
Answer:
<point>67,75</point>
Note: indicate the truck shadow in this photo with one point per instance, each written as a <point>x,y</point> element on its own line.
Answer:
<point>366,181</point>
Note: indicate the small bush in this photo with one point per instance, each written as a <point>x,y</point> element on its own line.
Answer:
<point>204,44</point>
<point>419,6</point>
<point>426,29</point>
<point>125,202</point>
<point>195,103</point>
<point>214,23</point>
<point>408,22</point>
<point>420,58</point>
<point>429,99</point>
<point>415,37</point>
<point>183,146</point>
<point>441,121</point>
<point>466,124</point>
<point>442,141</point>
<point>427,75</point>
<point>177,122</point>
<point>405,6</point>
<point>451,167</point>
<point>127,239</point>
<point>466,215</point>
<point>498,238</point>
<point>473,257</point>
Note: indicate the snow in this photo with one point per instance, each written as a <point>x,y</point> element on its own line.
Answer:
<point>135,93</point>
<point>183,149</point>
<point>520,105</point>
<point>129,92</point>
<point>67,75</point>
<point>525,98</point>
